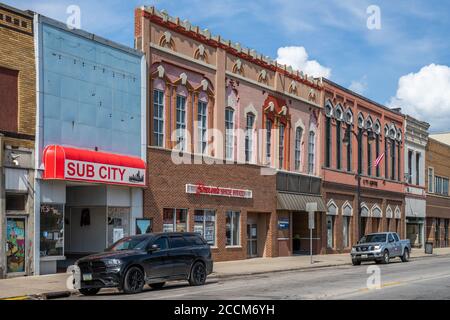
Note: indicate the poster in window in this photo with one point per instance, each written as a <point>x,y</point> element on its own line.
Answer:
<point>143,226</point>
<point>15,245</point>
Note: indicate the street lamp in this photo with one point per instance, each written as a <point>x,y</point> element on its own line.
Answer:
<point>346,140</point>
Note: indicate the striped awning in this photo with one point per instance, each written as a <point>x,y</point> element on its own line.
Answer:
<point>297,202</point>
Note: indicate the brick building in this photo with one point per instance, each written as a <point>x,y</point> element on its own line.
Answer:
<point>215,101</point>
<point>437,186</point>
<point>17,131</point>
<point>356,132</point>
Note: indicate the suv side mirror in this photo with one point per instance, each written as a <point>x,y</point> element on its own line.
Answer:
<point>153,247</point>
<point>391,240</point>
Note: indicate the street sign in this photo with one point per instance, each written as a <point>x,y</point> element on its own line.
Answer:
<point>311,206</point>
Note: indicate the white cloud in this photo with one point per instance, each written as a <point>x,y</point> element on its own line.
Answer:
<point>426,95</point>
<point>359,86</point>
<point>297,57</point>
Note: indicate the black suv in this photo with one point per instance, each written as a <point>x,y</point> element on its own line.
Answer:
<point>152,258</point>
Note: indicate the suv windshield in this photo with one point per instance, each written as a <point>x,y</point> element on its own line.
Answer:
<point>373,238</point>
<point>129,244</point>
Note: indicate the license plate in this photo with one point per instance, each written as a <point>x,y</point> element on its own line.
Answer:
<point>87,277</point>
<point>364,256</point>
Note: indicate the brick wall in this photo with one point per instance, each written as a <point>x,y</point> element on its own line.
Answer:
<point>17,53</point>
<point>166,189</point>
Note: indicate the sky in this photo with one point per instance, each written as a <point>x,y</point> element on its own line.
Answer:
<point>394,52</point>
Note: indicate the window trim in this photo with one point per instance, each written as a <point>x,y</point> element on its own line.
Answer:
<point>249,141</point>
<point>281,145</point>
<point>298,148</point>
<point>311,153</point>
<point>183,125</point>
<point>202,128</point>
<point>268,153</point>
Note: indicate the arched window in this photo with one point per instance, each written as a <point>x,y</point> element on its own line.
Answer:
<point>281,146</point>
<point>332,211</point>
<point>347,212</point>
<point>298,145</point>
<point>202,119</point>
<point>181,120</point>
<point>229,133</point>
<point>249,137</point>
<point>268,141</point>
<point>158,114</point>
<point>311,151</point>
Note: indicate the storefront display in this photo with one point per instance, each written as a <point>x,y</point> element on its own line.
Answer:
<point>15,241</point>
<point>118,224</point>
<point>52,230</point>
<point>205,225</point>
<point>174,220</point>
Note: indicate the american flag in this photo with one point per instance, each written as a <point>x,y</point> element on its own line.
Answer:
<point>378,160</point>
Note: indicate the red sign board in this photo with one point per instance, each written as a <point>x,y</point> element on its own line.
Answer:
<point>218,191</point>
<point>63,163</point>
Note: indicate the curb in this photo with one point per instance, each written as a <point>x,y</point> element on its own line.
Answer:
<point>41,296</point>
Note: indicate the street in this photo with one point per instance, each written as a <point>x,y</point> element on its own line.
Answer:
<point>419,279</point>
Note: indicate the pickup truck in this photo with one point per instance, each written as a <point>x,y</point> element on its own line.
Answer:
<point>380,247</point>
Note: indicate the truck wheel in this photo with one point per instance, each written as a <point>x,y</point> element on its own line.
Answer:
<point>405,256</point>
<point>356,262</point>
<point>385,257</point>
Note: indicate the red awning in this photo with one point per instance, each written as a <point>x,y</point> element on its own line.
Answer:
<point>64,163</point>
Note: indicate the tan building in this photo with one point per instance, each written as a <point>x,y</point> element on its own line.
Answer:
<point>438,197</point>
<point>17,130</point>
<point>199,83</point>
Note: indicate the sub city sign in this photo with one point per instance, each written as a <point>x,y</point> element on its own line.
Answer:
<point>64,163</point>
<point>97,172</point>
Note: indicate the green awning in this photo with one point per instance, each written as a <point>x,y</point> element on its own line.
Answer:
<point>297,202</point>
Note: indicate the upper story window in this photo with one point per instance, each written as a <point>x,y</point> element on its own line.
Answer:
<point>441,185</point>
<point>181,122</point>
<point>430,180</point>
<point>268,140</point>
<point>202,119</point>
<point>410,170</point>
<point>229,133</point>
<point>158,118</point>
<point>328,142</point>
<point>418,165</point>
<point>9,99</point>
<point>281,147</point>
<point>249,137</point>
<point>311,152</point>
<point>298,144</point>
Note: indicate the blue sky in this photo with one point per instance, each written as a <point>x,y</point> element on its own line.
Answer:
<point>405,63</point>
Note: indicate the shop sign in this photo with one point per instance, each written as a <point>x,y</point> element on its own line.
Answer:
<point>97,172</point>
<point>64,163</point>
<point>283,223</point>
<point>201,189</point>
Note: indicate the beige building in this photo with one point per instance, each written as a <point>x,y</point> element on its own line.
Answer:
<point>17,130</point>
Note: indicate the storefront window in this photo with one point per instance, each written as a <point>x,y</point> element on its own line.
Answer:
<point>52,230</point>
<point>205,225</point>
<point>174,220</point>
<point>233,228</point>
<point>118,224</point>
<point>15,245</point>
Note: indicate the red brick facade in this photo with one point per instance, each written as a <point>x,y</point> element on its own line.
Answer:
<point>167,189</point>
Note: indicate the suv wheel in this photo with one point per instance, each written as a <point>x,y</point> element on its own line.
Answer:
<point>134,280</point>
<point>356,262</point>
<point>198,274</point>
<point>385,257</point>
<point>405,256</point>
<point>158,285</point>
<point>89,291</point>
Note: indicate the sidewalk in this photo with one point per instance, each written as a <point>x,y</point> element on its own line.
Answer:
<point>51,285</point>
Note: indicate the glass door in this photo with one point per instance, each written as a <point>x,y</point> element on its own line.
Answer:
<point>252,240</point>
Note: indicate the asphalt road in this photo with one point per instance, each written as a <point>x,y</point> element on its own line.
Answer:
<point>426,278</point>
